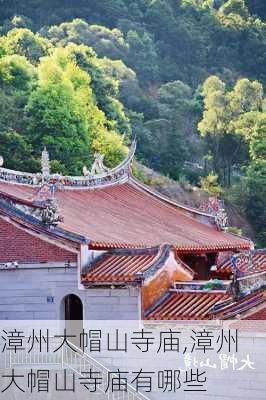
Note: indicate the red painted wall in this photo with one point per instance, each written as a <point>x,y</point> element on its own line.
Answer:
<point>18,245</point>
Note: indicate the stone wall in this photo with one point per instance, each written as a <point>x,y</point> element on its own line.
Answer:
<point>37,292</point>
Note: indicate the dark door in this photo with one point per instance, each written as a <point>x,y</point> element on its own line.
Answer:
<point>73,318</point>
<point>73,308</point>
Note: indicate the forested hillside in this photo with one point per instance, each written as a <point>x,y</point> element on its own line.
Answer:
<point>186,77</point>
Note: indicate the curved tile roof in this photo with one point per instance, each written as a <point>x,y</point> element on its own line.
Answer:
<point>186,306</point>
<point>115,266</point>
<point>129,265</point>
<point>125,215</point>
<point>201,306</point>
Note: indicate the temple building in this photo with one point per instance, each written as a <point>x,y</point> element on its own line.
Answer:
<point>106,246</point>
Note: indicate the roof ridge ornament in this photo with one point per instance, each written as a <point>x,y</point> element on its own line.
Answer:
<point>97,168</point>
<point>45,164</point>
<point>215,207</point>
<point>99,176</point>
<point>243,285</point>
<point>50,213</point>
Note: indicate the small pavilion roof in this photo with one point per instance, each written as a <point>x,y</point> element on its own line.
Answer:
<point>120,265</point>
<point>128,265</point>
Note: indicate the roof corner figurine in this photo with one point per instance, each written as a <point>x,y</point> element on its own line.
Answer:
<point>215,207</point>
<point>50,213</point>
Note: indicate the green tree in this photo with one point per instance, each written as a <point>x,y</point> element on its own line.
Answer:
<point>258,139</point>
<point>105,87</point>
<point>23,42</point>
<point>63,114</point>
<point>255,185</point>
<point>17,152</point>
<point>142,55</point>
<point>16,72</point>
<point>226,114</point>
<point>106,42</point>
<point>256,180</point>
<point>167,150</point>
<point>177,103</point>
<point>235,7</point>
<point>18,21</point>
<point>257,7</point>
<point>252,197</point>
<point>234,13</point>
<point>210,185</point>
<point>17,78</point>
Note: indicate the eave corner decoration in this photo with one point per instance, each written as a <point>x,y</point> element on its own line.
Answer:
<point>215,207</point>
<point>50,213</point>
<point>244,284</point>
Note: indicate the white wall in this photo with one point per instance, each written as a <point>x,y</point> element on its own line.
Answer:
<point>24,293</point>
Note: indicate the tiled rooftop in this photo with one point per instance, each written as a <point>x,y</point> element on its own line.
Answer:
<point>127,216</point>
<point>242,305</point>
<point>186,306</point>
<point>126,265</point>
<point>202,306</point>
<point>120,266</point>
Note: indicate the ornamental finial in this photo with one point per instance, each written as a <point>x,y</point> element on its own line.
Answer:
<point>45,163</point>
<point>215,207</point>
<point>98,166</point>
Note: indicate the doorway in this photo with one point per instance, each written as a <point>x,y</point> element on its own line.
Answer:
<point>73,308</point>
<point>73,316</point>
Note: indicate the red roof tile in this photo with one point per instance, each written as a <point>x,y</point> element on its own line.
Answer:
<point>241,306</point>
<point>126,265</point>
<point>186,306</point>
<point>125,215</point>
<point>202,306</point>
<point>119,267</point>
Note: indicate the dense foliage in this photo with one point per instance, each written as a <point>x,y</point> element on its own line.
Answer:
<point>186,77</point>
